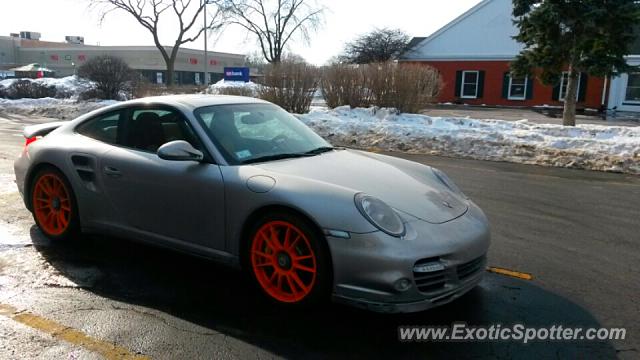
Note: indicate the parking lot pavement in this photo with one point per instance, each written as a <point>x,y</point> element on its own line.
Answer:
<point>575,232</point>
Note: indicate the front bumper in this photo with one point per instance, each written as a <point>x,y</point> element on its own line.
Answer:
<point>379,272</point>
<point>415,306</point>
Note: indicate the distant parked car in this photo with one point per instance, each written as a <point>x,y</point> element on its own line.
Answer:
<point>243,182</point>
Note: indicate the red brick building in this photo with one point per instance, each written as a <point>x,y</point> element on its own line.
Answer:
<point>473,53</point>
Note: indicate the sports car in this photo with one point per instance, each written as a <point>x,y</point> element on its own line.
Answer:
<point>241,181</point>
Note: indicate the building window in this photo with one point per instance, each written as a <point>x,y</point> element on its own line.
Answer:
<point>564,81</point>
<point>469,86</point>
<point>517,88</point>
<point>633,88</point>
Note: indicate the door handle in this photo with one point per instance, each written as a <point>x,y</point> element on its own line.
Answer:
<point>111,171</point>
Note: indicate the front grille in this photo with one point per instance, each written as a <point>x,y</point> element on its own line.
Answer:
<point>428,282</point>
<point>436,281</point>
<point>470,268</point>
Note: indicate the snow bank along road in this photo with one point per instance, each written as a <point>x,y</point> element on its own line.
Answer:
<point>575,232</point>
<point>593,147</point>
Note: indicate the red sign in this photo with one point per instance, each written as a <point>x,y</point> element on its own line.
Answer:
<point>82,57</point>
<point>213,62</point>
<point>193,61</point>
<point>55,57</point>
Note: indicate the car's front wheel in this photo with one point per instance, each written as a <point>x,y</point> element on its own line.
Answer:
<point>53,204</point>
<point>289,260</point>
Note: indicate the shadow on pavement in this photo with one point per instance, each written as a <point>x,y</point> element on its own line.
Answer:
<point>221,299</point>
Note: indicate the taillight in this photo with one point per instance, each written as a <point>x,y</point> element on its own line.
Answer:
<point>29,141</point>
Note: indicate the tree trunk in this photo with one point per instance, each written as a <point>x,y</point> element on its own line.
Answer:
<point>569,113</point>
<point>170,65</point>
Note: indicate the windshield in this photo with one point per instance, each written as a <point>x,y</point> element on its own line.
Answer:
<point>246,133</point>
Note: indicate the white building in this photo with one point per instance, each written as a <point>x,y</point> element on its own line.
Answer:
<point>624,92</point>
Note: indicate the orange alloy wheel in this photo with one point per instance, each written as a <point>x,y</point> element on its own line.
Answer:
<point>283,261</point>
<point>51,204</point>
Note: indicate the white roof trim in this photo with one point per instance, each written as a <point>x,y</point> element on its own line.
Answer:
<point>461,58</point>
<point>452,23</point>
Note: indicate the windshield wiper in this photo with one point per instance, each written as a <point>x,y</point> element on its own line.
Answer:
<point>319,150</point>
<point>276,157</point>
<point>309,153</point>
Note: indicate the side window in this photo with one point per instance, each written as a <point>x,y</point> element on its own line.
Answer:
<point>517,88</point>
<point>148,129</point>
<point>564,81</point>
<point>104,128</point>
<point>469,84</point>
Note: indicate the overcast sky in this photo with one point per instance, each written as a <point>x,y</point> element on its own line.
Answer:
<point>344,20</point>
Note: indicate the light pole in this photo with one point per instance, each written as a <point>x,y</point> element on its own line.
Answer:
<point>206,61</point>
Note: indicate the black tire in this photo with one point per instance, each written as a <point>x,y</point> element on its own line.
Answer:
<point>61,209</point>
<point>320,289</point>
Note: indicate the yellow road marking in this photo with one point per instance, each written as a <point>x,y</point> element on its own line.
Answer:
<point>70,335</point>
<point>516,274</point>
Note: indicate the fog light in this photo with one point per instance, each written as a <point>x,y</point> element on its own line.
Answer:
<point>402,284</point>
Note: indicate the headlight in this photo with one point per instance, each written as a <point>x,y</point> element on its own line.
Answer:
<point>379,214</point>
<point>448,182</point>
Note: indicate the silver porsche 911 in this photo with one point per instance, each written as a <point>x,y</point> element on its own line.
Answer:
<point>243,182</point>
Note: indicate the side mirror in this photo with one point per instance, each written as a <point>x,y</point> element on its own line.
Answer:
<point>179,150</point>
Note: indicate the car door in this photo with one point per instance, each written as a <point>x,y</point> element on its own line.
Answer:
<point>94,137</point>
<point>180,202</point>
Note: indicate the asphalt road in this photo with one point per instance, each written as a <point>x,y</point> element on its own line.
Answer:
<point>576,232</point>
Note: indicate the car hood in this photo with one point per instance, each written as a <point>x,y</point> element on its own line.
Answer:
<point>413,189</point>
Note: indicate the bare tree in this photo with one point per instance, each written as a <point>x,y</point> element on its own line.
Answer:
<point>148,12</point>
<point>255,60</point>
<point>274,22</point>
<point>379,45</point>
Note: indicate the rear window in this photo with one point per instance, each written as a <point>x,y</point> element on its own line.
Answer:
<point>103,128</point>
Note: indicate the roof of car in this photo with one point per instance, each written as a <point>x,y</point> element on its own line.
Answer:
<point>196,101</point>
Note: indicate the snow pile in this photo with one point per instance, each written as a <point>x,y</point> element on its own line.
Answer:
<point>595,147</point>
<point>73,85</point>
<point>8,82</point>
<point>240,88</point>
<point>63,109</point>
<point>66,87</point>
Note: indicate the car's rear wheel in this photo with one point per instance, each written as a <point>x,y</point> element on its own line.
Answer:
<point>288,260</point>
<point>53,204</point>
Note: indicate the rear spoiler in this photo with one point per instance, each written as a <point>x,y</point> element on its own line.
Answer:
<point>41,129</point>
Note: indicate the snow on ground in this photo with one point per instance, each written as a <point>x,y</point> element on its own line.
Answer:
<point>70,85</point>
<point>223,87</point>
<point>63,109</point>
<point>595,147</point>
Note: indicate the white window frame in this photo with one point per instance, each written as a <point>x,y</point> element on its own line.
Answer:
<point>626,86</point>
<point>560,94</point>
<point>524,96</point>
<point>464,74</point>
